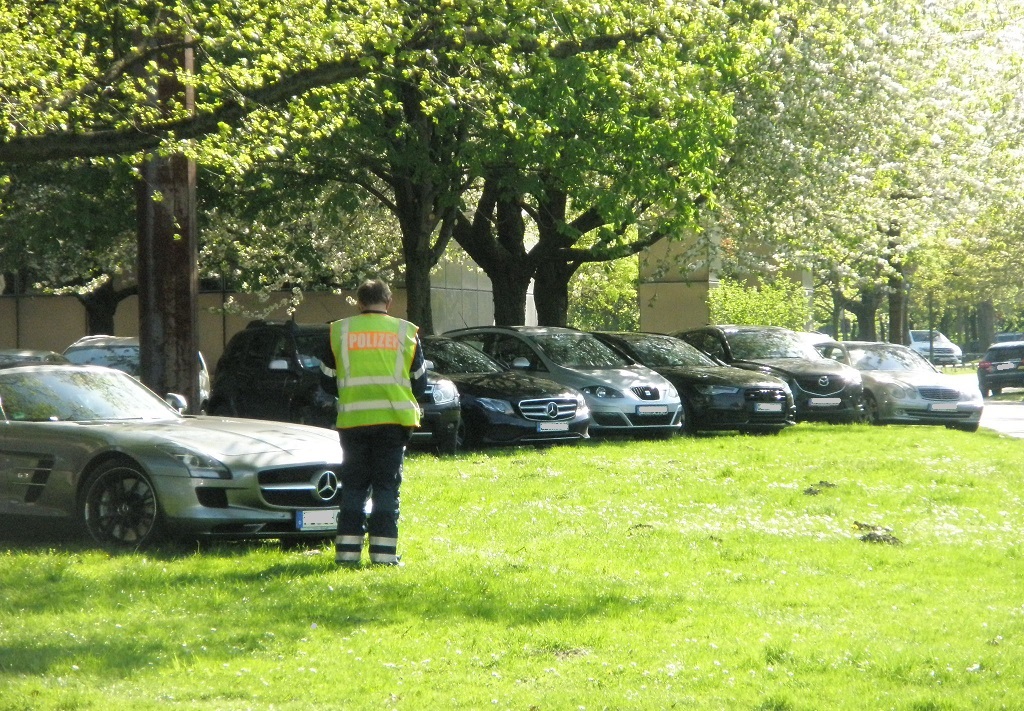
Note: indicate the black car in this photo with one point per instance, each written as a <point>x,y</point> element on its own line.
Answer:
<point>271,371</point>
<point>715,396</point>
<point>1002,366</point>
<point>502,406</point>
<point>822,389</point>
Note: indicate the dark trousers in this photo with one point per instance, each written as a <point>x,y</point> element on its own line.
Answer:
<point>371,469</point>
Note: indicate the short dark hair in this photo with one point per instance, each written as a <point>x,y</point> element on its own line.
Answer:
<point>373,291</point>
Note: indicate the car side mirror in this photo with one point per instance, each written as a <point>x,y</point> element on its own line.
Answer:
<point>521,363</point>
<point>428,364</point>
<point>178,402</point>
<point>279,364</point>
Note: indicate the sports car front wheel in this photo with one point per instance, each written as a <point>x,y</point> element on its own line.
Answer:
<point>119,507</point>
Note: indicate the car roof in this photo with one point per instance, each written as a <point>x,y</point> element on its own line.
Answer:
<point>288,325</point>
<point>525,330</point>
<point>1005,345</point>
<point>103,341</point>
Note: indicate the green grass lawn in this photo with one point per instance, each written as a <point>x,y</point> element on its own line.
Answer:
<point>829,567</point>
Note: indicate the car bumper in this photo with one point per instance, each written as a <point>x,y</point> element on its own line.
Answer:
<point>437,425</point>
<point>606,421</point>
<point>499,428</point>
<point>929,413</point>
<point>842,407</point>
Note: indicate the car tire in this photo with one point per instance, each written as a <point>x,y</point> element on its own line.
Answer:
<point>454,441</point>
<point>689,424</point>
<point>119,507</point>
<point>871,411</point>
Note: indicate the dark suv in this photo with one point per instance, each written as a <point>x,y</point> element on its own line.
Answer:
<point>1002,366</point>
<point>271,371</point>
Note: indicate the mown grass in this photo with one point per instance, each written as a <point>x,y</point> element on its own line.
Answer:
<point>718,572</point>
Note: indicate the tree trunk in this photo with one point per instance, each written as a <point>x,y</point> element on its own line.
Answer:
<point>168,256</point>
<point>101,307</point>
<point>417,287</point>
<point>551,292</point>
<point>986,323</point>
<point>865,310</point>
<point>496,240</point>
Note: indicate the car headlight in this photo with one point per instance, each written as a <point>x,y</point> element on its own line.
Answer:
<point>717,390</point>
<point>898,391</point>
<point>495,405</point>
<point>671,393</point>
<point>199,465</point>
<point>581,405</point>
<point>602,391</point>
<point>444,392</point>
<point>971,395</point>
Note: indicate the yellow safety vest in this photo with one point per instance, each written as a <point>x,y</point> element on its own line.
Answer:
<point>373,356</point>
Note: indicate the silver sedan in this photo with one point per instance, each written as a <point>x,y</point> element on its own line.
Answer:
<point>92,445</point>
<point>901,386</point>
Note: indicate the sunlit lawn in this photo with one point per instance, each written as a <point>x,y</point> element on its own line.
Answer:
<point>826,568</point>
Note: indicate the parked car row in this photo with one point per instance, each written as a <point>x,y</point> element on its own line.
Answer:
<point>149,471</point>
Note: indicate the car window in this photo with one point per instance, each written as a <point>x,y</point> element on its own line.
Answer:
<point>1000,354</point>
<point>831,352</point>
<point>123,358</point>
<point>506,349</point>
<point>452,357</point>
<point>77,395</point>
<point>313,349</point>
<point>658,351</point>
<point>888,359</point>
<point>748,345</point>
<point>579,350</point>
<point>261,347</point>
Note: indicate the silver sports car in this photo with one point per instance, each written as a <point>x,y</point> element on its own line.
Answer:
<point>93,445</point>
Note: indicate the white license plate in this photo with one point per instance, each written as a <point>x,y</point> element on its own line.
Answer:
<point>945,406</point>
<point>316,520</point>
<point>824,401</point>
<point>767,407</point>
<point>552,426</point>
<point>1005,366</point>
<point>652,409</point>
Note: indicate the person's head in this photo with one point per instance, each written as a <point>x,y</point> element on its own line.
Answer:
<point>373,292</point>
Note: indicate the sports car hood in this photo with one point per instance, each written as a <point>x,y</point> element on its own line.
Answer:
<point>718,375</point>
<point>803,367</point>
<point>510,385</point>
<point>226,437</point>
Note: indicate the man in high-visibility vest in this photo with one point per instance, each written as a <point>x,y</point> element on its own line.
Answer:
<point>379,368</point>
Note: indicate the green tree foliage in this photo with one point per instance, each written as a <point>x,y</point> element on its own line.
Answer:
<point>602,296</point>
<point>779,303</point>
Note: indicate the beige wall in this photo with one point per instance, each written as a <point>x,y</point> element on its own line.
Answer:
<point>54,322</point>
<point>673,298</point>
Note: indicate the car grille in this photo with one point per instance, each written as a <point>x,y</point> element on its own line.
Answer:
<point>548,409</point>
<point>297,487</point>
<point>645,392</point>
<point>765,395</point>
<point>939,393</point>
<point>813,384</point>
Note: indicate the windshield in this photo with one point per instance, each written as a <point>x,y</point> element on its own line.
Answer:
<point>888,358</point>
<point>78,395</point>
<point>454,358</point>
<point>579,350</point>
<point>750,345</point>
<point>922,337</point>
<point>124,358</point>
<point>656,351</point>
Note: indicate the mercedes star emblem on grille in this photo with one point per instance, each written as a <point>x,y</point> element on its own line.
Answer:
<point>327,485</point>
<point>552,410</point>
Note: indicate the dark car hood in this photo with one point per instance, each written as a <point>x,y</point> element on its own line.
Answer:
<point>716,375</point>
<point>783,367</point>
<point>511,384</point>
